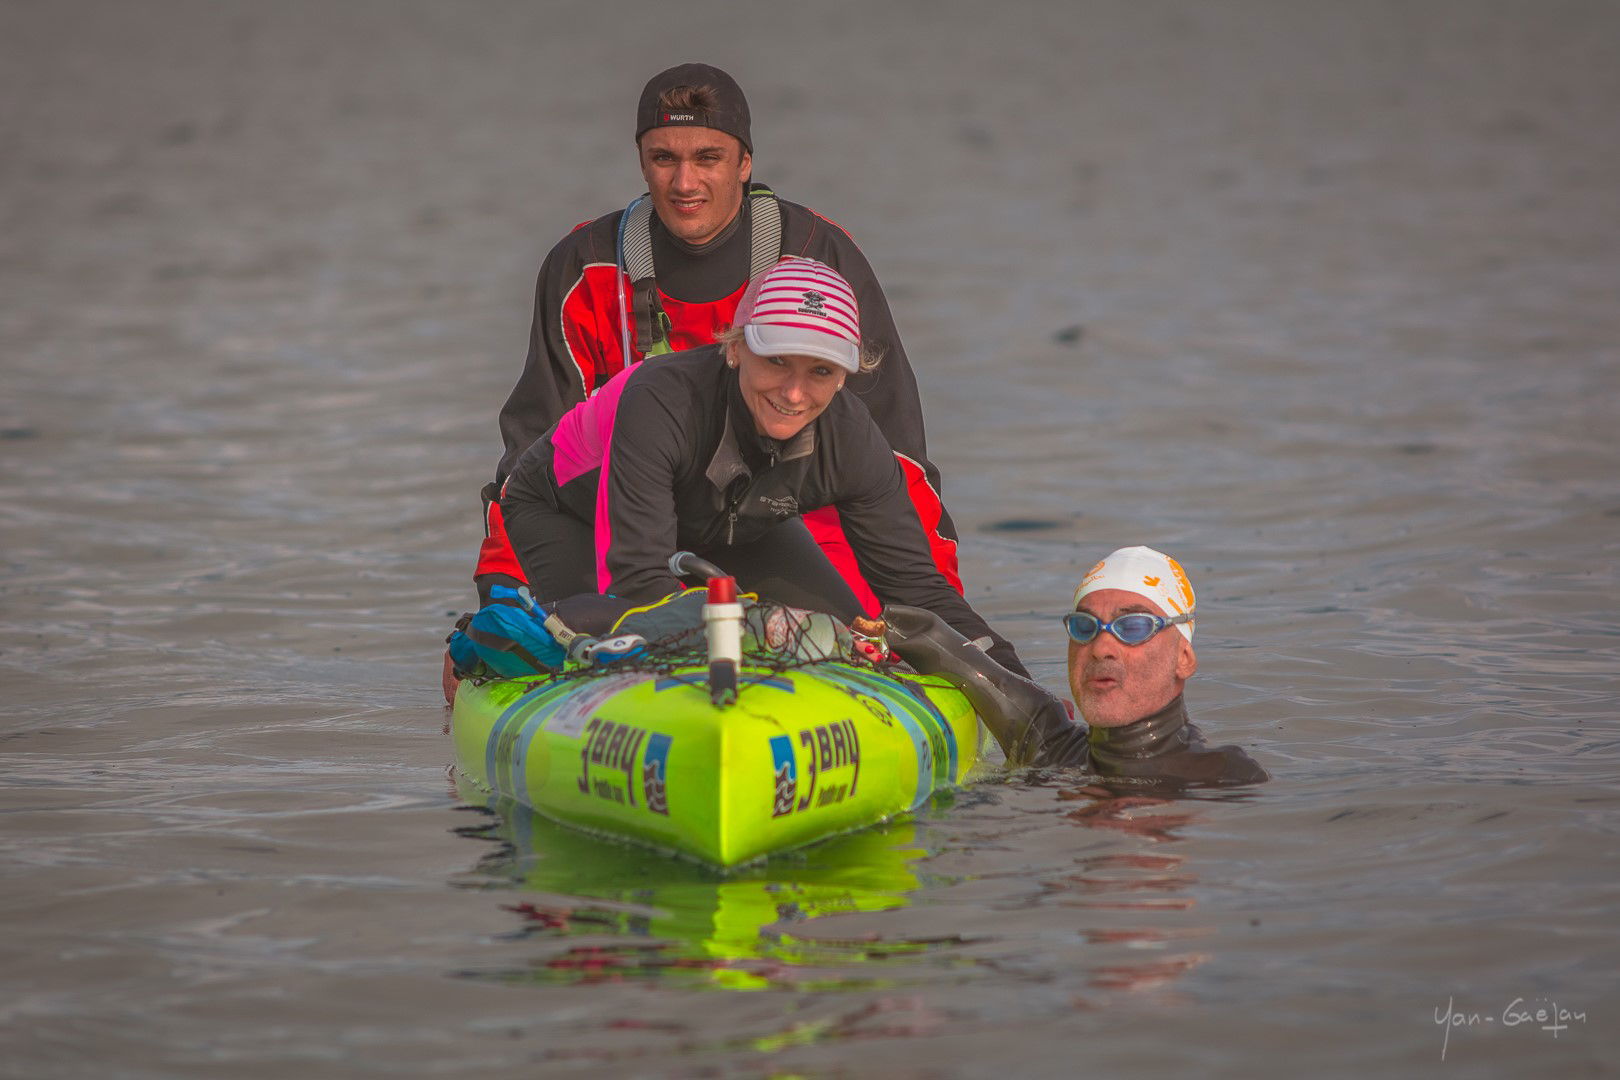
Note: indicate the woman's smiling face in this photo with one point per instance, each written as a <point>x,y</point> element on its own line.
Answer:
<point>784,393</point>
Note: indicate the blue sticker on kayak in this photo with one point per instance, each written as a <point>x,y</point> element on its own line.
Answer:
<point>654,770</point>
<point>787,775</point>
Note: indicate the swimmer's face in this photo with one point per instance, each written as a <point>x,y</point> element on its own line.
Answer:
<point>784,393</point>
<point>1116,684</point>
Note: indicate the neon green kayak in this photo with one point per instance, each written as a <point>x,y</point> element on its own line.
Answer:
<point>803,754</point>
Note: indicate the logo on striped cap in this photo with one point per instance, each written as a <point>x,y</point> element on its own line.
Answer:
<point>803,307</point>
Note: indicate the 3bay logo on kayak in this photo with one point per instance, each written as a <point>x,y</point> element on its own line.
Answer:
<point>613,747</point>
<point>826,748</point>
<point>831,746</point>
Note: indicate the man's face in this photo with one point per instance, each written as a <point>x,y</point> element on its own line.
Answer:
<point>696,177</point>
<point>1116,684</point>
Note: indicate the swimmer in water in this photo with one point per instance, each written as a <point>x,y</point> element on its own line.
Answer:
<point>1127,676</point>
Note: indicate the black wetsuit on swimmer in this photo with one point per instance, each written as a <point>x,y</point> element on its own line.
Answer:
<point>1166,747</point>
<point>1034,728</point>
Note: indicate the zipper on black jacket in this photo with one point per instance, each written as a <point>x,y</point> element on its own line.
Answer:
<point>740,486</point>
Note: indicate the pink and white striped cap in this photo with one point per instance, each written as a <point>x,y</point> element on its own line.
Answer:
<point>801,307</point>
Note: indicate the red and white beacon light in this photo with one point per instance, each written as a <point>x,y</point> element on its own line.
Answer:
<point>722,623</point>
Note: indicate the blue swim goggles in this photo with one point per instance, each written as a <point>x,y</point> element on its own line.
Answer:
<point>1130,629</point>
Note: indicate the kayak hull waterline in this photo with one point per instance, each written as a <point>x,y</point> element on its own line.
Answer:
<point>801,755</point>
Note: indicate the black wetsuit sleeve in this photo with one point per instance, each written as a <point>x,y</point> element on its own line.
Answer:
<point>888,541</point>
<point>1058,745</point>
<point>636,522</point>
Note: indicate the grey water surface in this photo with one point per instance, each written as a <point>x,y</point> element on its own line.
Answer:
<point>1323,298</point>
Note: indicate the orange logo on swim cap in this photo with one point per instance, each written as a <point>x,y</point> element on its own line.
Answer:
<point>1181,579</point>
<point>1149,573</point>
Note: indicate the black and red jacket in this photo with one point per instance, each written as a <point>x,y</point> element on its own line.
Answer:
<point>575,347</point>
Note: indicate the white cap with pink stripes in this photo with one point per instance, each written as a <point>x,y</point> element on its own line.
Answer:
<point>801,307</point>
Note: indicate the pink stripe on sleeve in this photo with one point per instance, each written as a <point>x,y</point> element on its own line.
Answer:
<point>581,440</point>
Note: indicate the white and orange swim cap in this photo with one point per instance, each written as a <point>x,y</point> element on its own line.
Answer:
<point>1148,573</point>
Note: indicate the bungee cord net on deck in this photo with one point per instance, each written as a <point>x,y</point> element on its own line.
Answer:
<point>671,634</point>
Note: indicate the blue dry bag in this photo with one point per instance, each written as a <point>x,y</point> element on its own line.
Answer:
<point>507,637</point>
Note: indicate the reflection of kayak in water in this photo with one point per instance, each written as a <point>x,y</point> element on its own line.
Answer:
<point>638,915</point>
<point>803,753</point>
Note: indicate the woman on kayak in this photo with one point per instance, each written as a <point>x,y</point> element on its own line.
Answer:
<point>719,450</point>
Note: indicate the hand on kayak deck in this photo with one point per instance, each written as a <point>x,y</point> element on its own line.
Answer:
<point>449,680</point>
